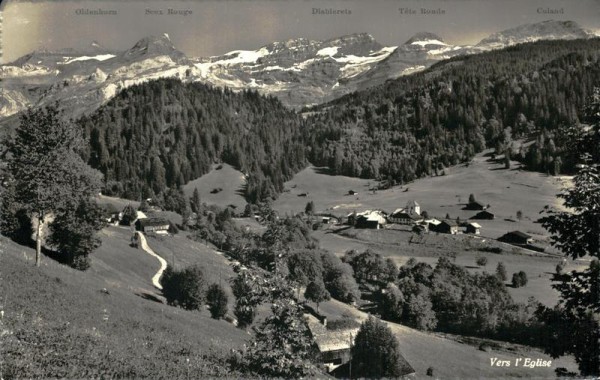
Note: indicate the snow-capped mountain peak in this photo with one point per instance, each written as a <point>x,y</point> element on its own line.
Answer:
<point>425,38</point>
<point>153,46</point>
<point>545,30</point>
<point>298,71</point>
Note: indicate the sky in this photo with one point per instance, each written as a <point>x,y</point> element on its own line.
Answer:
<point>213,27</point>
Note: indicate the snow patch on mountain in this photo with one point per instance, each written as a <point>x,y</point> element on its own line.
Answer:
<point>328,51</point>
<point>428,42</point>
<point>100,57</point>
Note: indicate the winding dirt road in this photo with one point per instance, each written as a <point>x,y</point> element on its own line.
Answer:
<point>163,263</point>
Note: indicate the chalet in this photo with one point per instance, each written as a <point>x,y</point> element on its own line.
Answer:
<point>334,346</point>
<point>483,215</point>
<point>370,219</point>
<point>475,206</point>
<point>329,219</point>
<point>516,237</point>
<point>432,223</point>
<point>352,192</point>
<point>473,228</point>
<point>448,227</point>
<point>400,216</point>
<point>115,218</point>
<point>153,225</point>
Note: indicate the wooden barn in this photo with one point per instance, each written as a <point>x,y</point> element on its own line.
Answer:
<point>483,215</point>
<point>516,237</point>
<point>154,225</point>
<point>370,219</point>
<point>448,227</point>
<point>475,206</point>
<point>473,228</point>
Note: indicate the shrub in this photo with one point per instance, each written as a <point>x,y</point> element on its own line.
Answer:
<point>186,288</point>
<point>519,279</point>
<point>501,272</point>
<point>216,299</point>
<point>482,261</point>
<point>430,371</point>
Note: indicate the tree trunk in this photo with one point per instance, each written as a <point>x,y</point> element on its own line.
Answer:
<point>38,241</point>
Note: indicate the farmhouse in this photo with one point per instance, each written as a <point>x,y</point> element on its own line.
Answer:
<point>400,216</point>
<point>370,219</point>
<point>155,225</point>
<point>483,215</point>
<point>475,206</point>
<point>473,228</point>
<point>516,237</point>
<point>448,227</point>
<point>328,219</point>
<point>334,345</point>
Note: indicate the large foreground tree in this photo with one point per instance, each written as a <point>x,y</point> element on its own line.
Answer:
<point>575,321</point>
<point>376,352</point>
<point>48,174</point>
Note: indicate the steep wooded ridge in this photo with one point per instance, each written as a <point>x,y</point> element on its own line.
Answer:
<point>416,125</point>
<point>164,133</point>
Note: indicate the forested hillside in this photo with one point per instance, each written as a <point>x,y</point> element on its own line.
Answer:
<point>164,133</point>
<point>416,125</point>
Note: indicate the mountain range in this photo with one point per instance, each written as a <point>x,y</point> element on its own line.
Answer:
<point>300,72</point>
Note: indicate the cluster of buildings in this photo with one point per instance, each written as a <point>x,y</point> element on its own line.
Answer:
<point>412,215</point>
<point>142,222</point>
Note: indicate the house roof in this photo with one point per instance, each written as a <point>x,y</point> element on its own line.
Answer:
<point>412,204</point>
<point>330,340</point>
<point>519,234</point>
<point>450,222</point>
<point>372,216</point>
<point>482,213</point>
<point>404,215</point>
<point>153,222</point>
<point>398,210</point>
<point>476,225</point>
<point>476,203</point>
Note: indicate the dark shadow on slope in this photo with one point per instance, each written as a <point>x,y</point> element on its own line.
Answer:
<point>150,297</point>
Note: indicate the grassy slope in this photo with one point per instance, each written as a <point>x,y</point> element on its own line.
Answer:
<point>183,252</point>
<point>451,359</point>
<point>505,190</point>
<point>539,269</point>
<point>81,331</point>
<point>227,178</point>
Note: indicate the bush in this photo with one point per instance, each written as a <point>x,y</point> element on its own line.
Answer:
<point>430,371</point>
<point>519,279</point>
<point>501,272</point>
<point>482,261</point>
<point>216,299</point>
<point>186,288</point>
